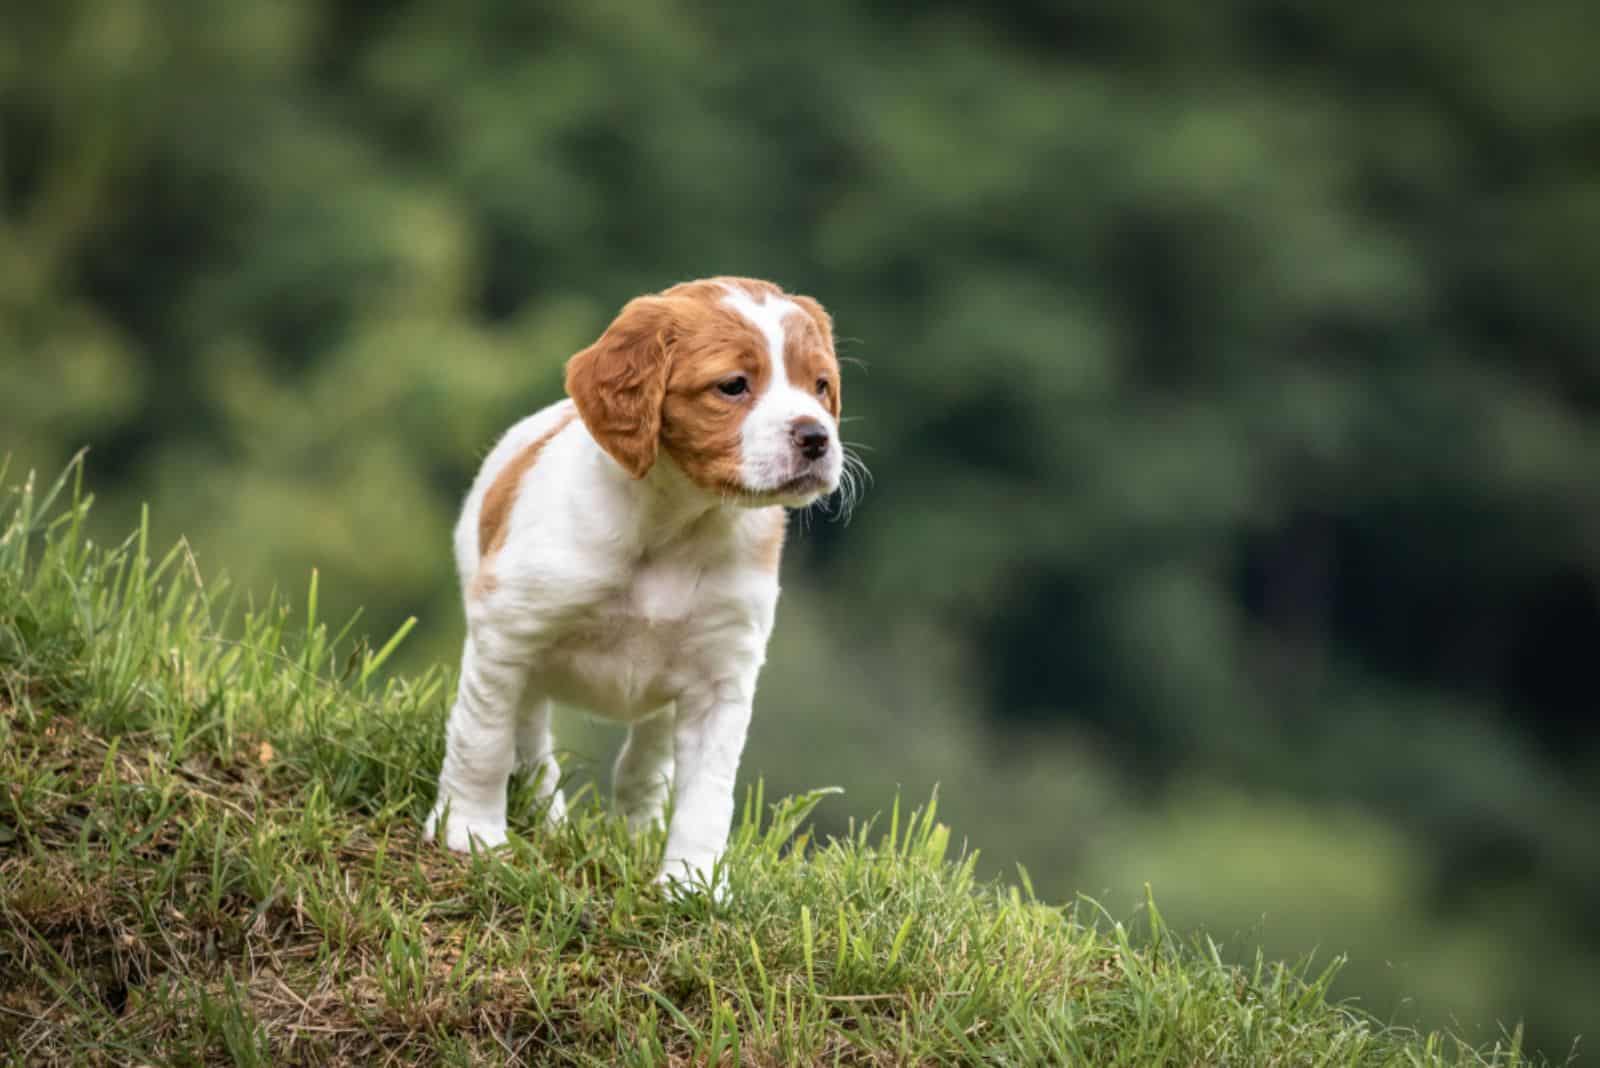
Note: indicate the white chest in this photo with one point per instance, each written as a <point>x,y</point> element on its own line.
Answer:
<point>662,591</point>
<point>638,647</point>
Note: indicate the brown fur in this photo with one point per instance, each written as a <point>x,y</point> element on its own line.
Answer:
<point>495,515</point>
<point>700,427</point>
<point>618,382</point>
<point>808,353</point>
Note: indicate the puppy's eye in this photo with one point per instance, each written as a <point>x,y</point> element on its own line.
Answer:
<point>823,387</point>
<point>734,386</point>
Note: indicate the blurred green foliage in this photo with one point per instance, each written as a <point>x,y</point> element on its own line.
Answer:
<point>1231,374</point>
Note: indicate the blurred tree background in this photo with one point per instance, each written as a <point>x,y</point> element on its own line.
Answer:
<point>1231,375</point>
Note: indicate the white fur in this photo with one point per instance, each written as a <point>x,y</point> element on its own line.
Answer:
<point>640,600</point>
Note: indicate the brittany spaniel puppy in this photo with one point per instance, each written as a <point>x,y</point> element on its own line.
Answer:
<point>619,551</point>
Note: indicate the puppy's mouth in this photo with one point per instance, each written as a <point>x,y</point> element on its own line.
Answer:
<point>793,492</point>
<point>801,484</point>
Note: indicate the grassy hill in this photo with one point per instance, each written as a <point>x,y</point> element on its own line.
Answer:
<point>209,853</point>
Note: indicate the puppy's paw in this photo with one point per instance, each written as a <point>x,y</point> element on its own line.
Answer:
<point>682,879</point>
<point>545,778</point>
<point>642,803</point>
<point>463,827</point>
<point>555,810</point>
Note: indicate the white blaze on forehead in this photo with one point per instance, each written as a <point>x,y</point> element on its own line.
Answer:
<point>767,316</point>
<point>768,458</point>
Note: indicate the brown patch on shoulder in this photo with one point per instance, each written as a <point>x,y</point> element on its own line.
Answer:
<point>769,544</point>
<point>494,515</point>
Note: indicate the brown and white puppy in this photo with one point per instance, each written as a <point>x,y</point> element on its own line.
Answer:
<point>619,551</point>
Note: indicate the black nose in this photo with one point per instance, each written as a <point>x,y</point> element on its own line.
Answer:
<point>810,437</point>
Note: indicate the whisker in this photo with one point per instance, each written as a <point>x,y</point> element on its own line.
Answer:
<point>854,463</point>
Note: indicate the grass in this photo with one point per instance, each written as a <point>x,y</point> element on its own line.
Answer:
<point>209,853</point>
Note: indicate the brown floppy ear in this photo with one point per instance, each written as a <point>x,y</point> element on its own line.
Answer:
<point>619,382</point>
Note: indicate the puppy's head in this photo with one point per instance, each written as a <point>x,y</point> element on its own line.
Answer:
<point>732,378</point>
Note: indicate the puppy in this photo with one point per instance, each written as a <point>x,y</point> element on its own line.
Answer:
<point>619,551</point>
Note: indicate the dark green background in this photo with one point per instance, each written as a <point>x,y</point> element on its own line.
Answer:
<point>1230,371</point>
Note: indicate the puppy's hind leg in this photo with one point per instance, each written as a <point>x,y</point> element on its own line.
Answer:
<point>536,751</point>
<point>642,776</point>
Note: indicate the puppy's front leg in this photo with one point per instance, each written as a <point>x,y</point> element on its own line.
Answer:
<point>480,747</point>
<point>708,738</point>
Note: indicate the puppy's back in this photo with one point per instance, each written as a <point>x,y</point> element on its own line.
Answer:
<point>512,445</point>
